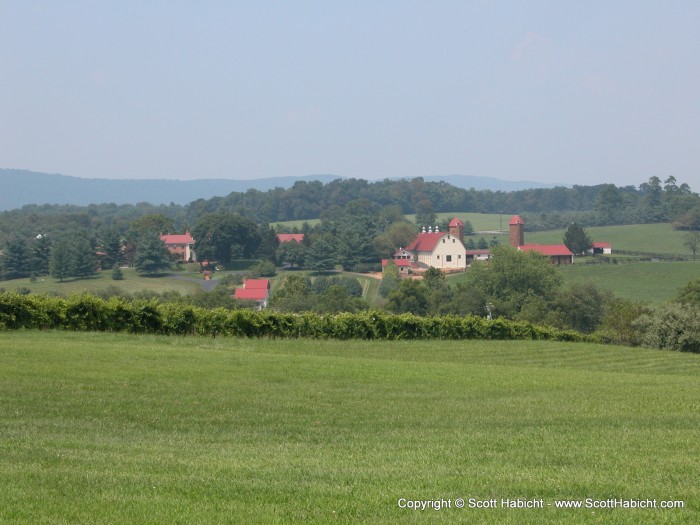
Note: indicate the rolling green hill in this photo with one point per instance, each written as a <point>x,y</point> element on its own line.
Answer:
<point>107,428</point>
<point>661,238</point>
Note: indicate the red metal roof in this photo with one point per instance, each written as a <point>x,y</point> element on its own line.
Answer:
<point>602,245</point>
<point>256,284</point>
<point>425,242</point>
<point>254,294</point>
<point>286,237</point>
<point>185,238</point>
<point>516,220</point>
<point>456,222</point>
<point>547,249</point>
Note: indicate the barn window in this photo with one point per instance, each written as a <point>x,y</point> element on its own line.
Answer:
<point>448,258</point>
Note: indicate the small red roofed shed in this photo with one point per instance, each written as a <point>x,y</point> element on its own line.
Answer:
<point>257,290</point>
<point>558,253</point>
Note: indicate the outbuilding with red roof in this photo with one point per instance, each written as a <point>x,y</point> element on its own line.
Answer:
<point>558,253</point>
<point>257,290</point>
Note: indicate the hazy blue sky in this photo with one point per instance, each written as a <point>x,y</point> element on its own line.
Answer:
<point>580,92</point>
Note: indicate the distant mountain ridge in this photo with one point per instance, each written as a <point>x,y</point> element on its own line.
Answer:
<point>22,187</point>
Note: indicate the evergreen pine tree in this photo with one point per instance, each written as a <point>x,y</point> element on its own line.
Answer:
<point>61,265</point>
<point>152,257</point>
<point>84,259</point>
<point>320,256</point>
<point>40,255</point>
<point>112,246</point>
<point>576,239</point>
<point>15,259</point>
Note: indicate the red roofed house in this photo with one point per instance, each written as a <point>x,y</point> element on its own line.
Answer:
<point>182,246</point>
<point>257,290</point>
<point>287,237</point>
<point>442,250</point>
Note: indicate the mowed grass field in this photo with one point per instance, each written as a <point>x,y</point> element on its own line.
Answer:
<point>105,428</point>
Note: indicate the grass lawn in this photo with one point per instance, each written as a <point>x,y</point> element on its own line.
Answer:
<point>132,282</point>
<point>649,282</point>
<point>104,428</point>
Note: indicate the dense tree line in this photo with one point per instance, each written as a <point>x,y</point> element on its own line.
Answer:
<point>361,221</point>
<point>653,201</point>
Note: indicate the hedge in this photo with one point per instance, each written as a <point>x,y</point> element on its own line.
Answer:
<point>90,313</point>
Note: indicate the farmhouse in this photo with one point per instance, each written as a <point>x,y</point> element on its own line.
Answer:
<point>442,250</point>
<point>180,246</point>
<point>257,290</point>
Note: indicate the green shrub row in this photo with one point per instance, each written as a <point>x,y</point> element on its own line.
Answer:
<point>90,313</point>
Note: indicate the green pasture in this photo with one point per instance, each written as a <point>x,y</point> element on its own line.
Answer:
<point>105,428</point>
<point>184,282</point>
<point>297,224</point>
<point>638,281</point>
<point>658,238</point>
<point>479,221</point>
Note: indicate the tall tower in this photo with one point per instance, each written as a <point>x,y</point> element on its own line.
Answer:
<point>517,231</point>
<point>457,229</point>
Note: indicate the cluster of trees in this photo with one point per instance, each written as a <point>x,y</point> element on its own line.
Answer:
<point>68,256</point>
<point>514,285</point>
<point>325,294</point>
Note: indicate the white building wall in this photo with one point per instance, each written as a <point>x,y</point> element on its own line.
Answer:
<point>449,247</point>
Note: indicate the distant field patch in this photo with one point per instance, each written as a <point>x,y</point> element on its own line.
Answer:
<point>184,283</point>
<point>642,281</point>
<point>100,428</point>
